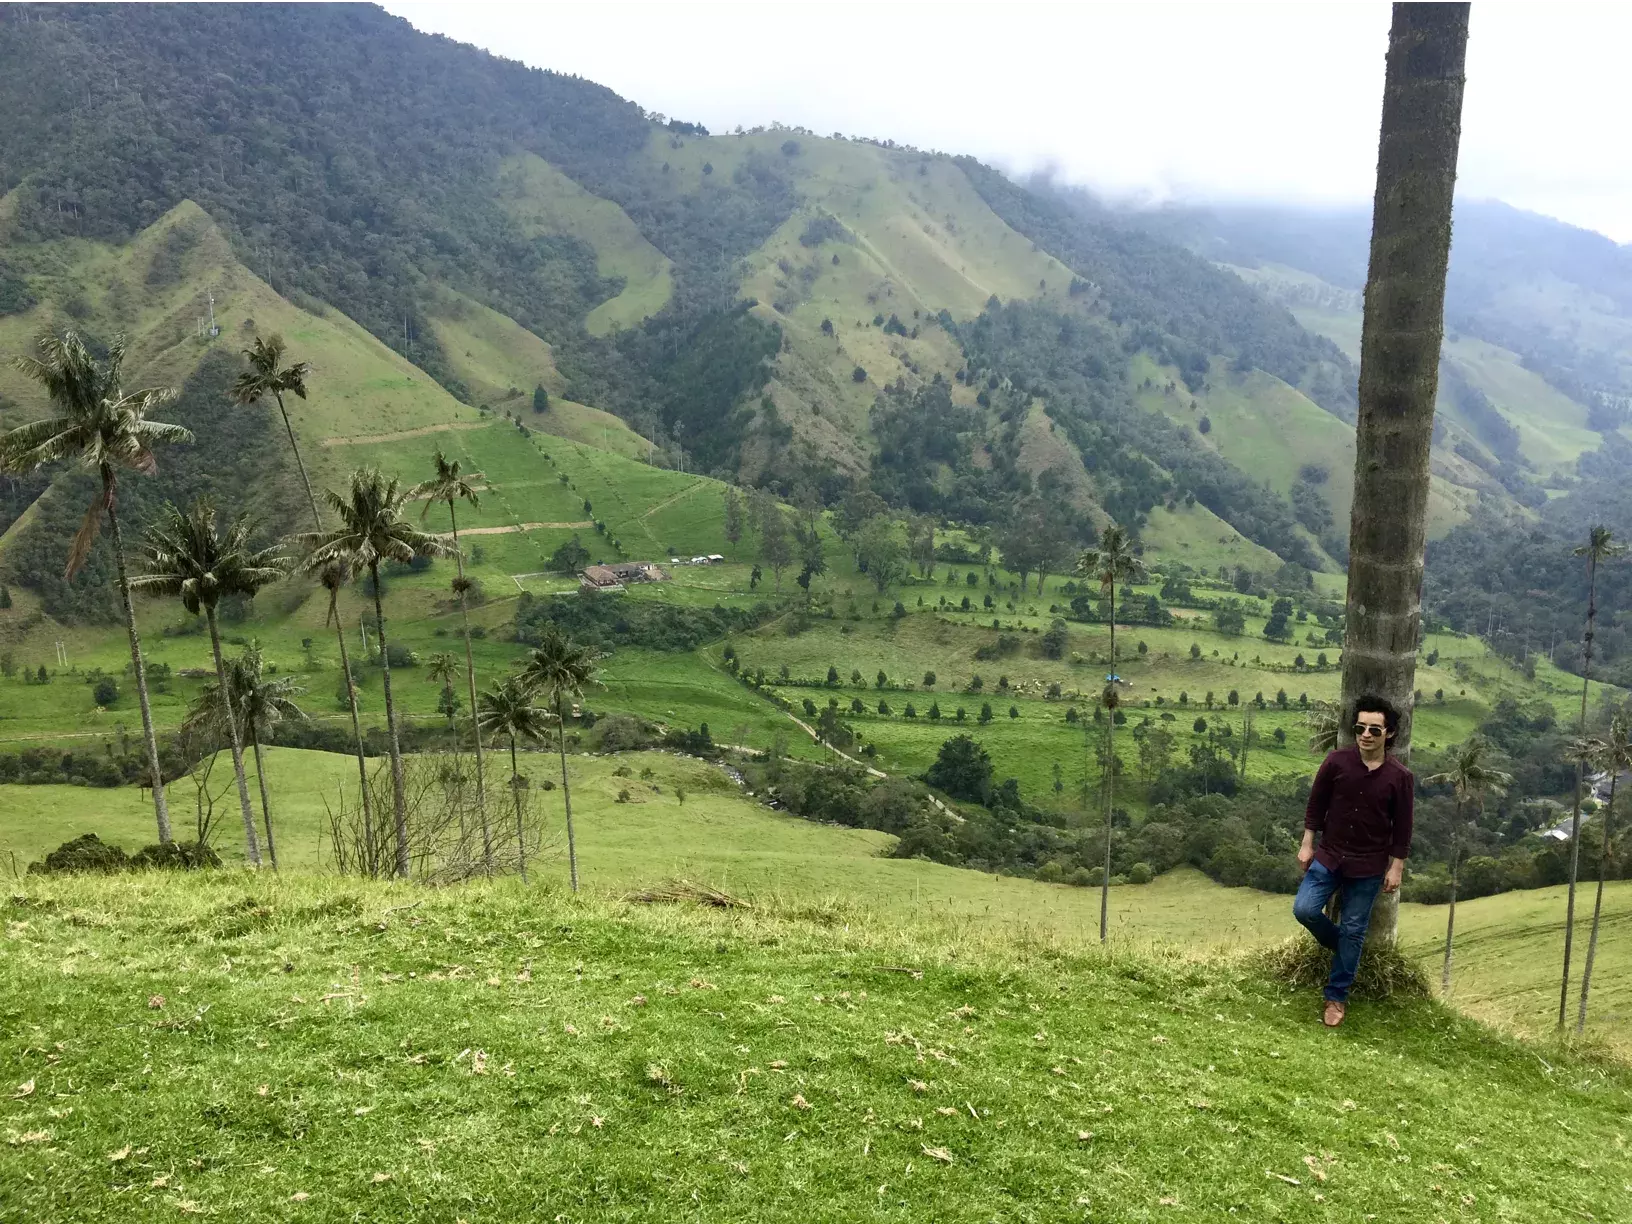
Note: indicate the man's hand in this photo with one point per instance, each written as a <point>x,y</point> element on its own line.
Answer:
<point>1306,851</point>
<point>1396,873</point>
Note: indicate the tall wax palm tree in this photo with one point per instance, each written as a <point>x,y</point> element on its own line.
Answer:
<point>269,375</point>
<point>373,529</point>
<point>1112,562</point>
<point>107,430</point>
<point>333,576</point>
<point>559,670</point>
<point>510,708</point>
<point>1601,546</point>
<point>442,668</point>
<point>1473,781</point>
<point>262,703</point>
<point>186,554</point>
<point>1613,754</point>
<point>1400,339</point>
<point>451,487</point>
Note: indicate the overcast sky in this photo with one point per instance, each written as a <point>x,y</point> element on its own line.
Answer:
<point>1154,100</point>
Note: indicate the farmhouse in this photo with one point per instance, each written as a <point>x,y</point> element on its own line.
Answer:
<point>619,574</point>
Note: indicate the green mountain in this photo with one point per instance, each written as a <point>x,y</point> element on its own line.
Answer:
<point>443,232</point>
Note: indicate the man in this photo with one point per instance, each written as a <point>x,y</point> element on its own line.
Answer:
<point>1361,805</point>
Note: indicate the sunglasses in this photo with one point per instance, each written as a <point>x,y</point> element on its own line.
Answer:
<point>1362,730</point>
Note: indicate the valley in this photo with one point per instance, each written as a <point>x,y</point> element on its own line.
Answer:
<point>860,735</point>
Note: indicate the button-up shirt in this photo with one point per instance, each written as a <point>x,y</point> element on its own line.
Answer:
<point>1363,815</point>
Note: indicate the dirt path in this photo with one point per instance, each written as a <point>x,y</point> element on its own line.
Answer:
<point>402,435</point>
<point>669,501</point>
<point>514,527</point>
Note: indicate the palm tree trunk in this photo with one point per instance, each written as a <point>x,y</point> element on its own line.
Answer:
<point>161,806</point>
<point>299,462</point>
<point>399,800</point>
<point>1399,365</point>
<point>470,677</point>
<point>1580,779</point>
<point>1597,906</point>
<point>515,791</point>
<point>1110,781</point>
<point>356,734</point>
<point>1450,917</point>
<point>266,804</point>
<point>566,794</point>
<point>345,661</point>
<point>251,846</point>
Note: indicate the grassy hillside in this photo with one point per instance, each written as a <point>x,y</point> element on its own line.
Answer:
<point>332,1050</point>
<point>543,201</point>
<point>1552,427</point>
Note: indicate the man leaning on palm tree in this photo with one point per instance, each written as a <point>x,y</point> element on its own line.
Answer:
<point>1361,807</point>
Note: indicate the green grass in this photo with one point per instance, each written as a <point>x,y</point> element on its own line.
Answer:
<point>1552,427</point>
<point>1508,953</point>
<point>389,1053</point>
<point>1197,537</point>
<point>545,201</point>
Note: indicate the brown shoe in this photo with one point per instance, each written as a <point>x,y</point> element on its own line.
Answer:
<point>1335,1012</point>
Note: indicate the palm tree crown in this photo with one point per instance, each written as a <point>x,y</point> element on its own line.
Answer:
<point>263,701</point>
<point>1112,562</point>
<point>1469,775</point>
<point>96,422</point>
<point>372,528</point>
<point>187,555</point>
<point>442,668</point>
<point>511,708</point>
<point>1600,546</point>
<point>267,375</point>
<point>558,667</point>
<point>448,485</point>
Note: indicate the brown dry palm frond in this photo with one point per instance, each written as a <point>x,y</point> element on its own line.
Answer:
<point>1385,971</point>
<point>96,423</point>
<point>675,892</point>
<point>1322,721</point>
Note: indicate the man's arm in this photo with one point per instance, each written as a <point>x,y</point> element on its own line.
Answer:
<point>1314,815</point>
<point>1405,800</point>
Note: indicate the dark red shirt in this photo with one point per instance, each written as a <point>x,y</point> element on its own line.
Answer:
<point>1363,815</point>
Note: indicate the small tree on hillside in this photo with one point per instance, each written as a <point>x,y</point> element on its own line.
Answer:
<point>541,399</point>
<point>733,516</point>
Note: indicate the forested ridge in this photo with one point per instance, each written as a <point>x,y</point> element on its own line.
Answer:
<point>356,168</point>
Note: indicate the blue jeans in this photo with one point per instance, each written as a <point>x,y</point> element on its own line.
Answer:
<point>1345,938</point>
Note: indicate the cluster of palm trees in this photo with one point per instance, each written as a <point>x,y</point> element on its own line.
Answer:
<point>1610,752</point>
<point>191,554</point>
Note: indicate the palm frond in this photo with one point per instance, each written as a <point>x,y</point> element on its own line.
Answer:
<point>185,553</point>
<point>89,527</point>
<point>39,442</point>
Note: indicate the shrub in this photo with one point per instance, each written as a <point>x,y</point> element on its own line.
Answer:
<point>87,853</point>
<point>106,691</point>
<point>1140,873</point>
